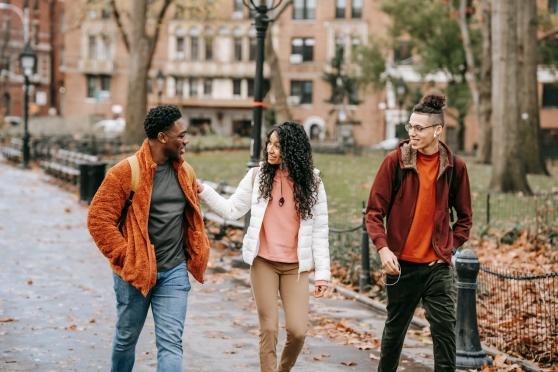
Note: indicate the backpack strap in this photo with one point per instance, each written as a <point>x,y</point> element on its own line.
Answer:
<point>134,167</point>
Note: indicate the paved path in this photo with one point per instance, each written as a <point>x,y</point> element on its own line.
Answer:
<point>57,304</point>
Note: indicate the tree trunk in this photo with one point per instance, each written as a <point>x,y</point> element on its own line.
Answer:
<point>484,134</point>
<point>528,94</point>
<point>508,171</point>
<point>136,99</point>
<point>282,111</point>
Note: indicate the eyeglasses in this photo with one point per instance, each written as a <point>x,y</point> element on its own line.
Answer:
<point>418,128</point>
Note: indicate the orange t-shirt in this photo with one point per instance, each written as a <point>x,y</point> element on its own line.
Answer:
<point>418,246</point>
<point>279,232</point>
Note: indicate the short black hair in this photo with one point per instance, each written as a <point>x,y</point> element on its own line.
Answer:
<point>159,119</point>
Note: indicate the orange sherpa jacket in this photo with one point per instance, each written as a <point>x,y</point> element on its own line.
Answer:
<point>130,253</point>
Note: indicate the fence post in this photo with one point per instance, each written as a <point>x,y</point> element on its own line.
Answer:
<point>364,280</point>
<point>469,350</point>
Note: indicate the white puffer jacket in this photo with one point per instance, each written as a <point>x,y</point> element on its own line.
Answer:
<point>313,242</point>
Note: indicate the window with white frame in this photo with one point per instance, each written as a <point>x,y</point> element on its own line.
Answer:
<point>302,49</point>
<point>208,42</point>
<point>180,47</point>
<point>194,48</point>
<point>356,9</point>
<point>237,49</point>
<point>304,9</point>
<point>303,90</point>
<point>193,82</point>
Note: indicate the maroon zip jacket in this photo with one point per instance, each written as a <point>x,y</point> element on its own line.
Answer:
<point>445,238</point>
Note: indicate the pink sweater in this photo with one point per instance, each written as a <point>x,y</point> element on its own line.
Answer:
<point>279,232</point>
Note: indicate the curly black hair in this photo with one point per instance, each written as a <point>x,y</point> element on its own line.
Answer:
<point>159,119</point>
<point>296,155</point>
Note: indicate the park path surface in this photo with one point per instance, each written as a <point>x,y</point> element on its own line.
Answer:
<point>57,303</point>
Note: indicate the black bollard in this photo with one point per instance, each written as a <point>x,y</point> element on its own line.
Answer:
<point>364,280</point>
<point>469,351</point>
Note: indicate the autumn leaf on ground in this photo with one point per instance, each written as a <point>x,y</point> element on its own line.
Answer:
<point>7,320</point>
<point>349,364</point>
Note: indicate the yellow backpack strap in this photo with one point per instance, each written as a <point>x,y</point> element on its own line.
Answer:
<point>134,166</point>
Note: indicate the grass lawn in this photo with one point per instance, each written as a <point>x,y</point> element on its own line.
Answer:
<point>348,178</point>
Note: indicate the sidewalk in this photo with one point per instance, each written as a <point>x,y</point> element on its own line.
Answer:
<point>57,303</point>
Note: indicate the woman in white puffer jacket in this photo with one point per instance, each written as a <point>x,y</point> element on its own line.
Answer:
<point>287,237</point>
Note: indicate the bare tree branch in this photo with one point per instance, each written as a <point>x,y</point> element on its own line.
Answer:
<point>118,20</point>
<point>153,39</point>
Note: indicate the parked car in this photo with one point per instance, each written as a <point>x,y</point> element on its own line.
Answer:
<point>110,127</point>
<point>388,144</point>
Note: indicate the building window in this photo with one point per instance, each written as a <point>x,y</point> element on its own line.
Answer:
<point>252,49</point>
<point>553,6</point>
<point>402,53</point>
<point>179,47</point>
<point>195,48</point>
<point>356,9</point>
<point>237,84</point>
<point>250,83</point>
<point>105,83</point>
<point>178,87</point>
<point>104,53</point>
<point>98,85</point>
<point>302,89</point>
<point>304,9</point>
<point>92,47</point>
<point>550,95</point>
<point>207,87</point>
<point>340,8</point>
<point>303,47</point>
<point>208,49</point>
<point>91,86</point>
<point>193,87</point>
<point>237,49</point>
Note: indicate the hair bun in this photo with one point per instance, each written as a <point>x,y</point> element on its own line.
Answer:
<point>435,101</point>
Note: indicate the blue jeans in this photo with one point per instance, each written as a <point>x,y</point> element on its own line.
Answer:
<point>168,300</point>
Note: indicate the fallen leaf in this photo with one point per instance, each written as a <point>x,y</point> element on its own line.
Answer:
<point>349,364</point>
<point>7,320</point>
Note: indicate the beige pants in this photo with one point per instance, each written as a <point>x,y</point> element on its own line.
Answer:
<point>267,279</point>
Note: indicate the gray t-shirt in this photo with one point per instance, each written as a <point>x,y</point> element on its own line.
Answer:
<point>166,218</point>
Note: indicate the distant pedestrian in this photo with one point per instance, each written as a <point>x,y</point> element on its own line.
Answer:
<point>413,188</point>
<point>287,237</point>
<point>161,239</point>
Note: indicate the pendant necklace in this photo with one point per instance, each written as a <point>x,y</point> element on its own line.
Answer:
<point>282,199</point>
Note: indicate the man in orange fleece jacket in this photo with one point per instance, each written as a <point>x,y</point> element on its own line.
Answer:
<point>161,240</point>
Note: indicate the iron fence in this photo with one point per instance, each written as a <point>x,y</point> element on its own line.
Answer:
<point>517,312</point>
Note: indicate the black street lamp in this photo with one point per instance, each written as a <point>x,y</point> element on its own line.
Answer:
<point>27,59</point>
<point>261,8</point>
<point>160,85</point>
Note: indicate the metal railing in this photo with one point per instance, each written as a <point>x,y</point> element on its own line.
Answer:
<point>517,312</point>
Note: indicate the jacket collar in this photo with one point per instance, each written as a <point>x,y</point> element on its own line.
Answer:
<point>408,157</point>
<point>145,157</point>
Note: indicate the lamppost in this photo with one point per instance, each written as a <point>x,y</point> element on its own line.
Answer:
<point>160,85</point>
<point>27,59</point>
<point>261,8</point>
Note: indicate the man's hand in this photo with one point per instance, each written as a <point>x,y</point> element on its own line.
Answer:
<point>199,187</point>
<point>390,265</point>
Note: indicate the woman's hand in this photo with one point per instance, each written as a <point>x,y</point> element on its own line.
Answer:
<point>320,287</point>
<point>199,187</point>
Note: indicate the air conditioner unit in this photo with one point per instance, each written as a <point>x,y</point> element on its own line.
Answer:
<point>296,59</point>
<point>293,100</point>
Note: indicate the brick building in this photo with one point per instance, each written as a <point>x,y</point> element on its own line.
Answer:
<point>45,18</point>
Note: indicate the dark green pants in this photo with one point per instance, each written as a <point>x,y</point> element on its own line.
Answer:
<point>435,286</point>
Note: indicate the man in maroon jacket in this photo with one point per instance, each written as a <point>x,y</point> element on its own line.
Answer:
<point>415,188</point>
